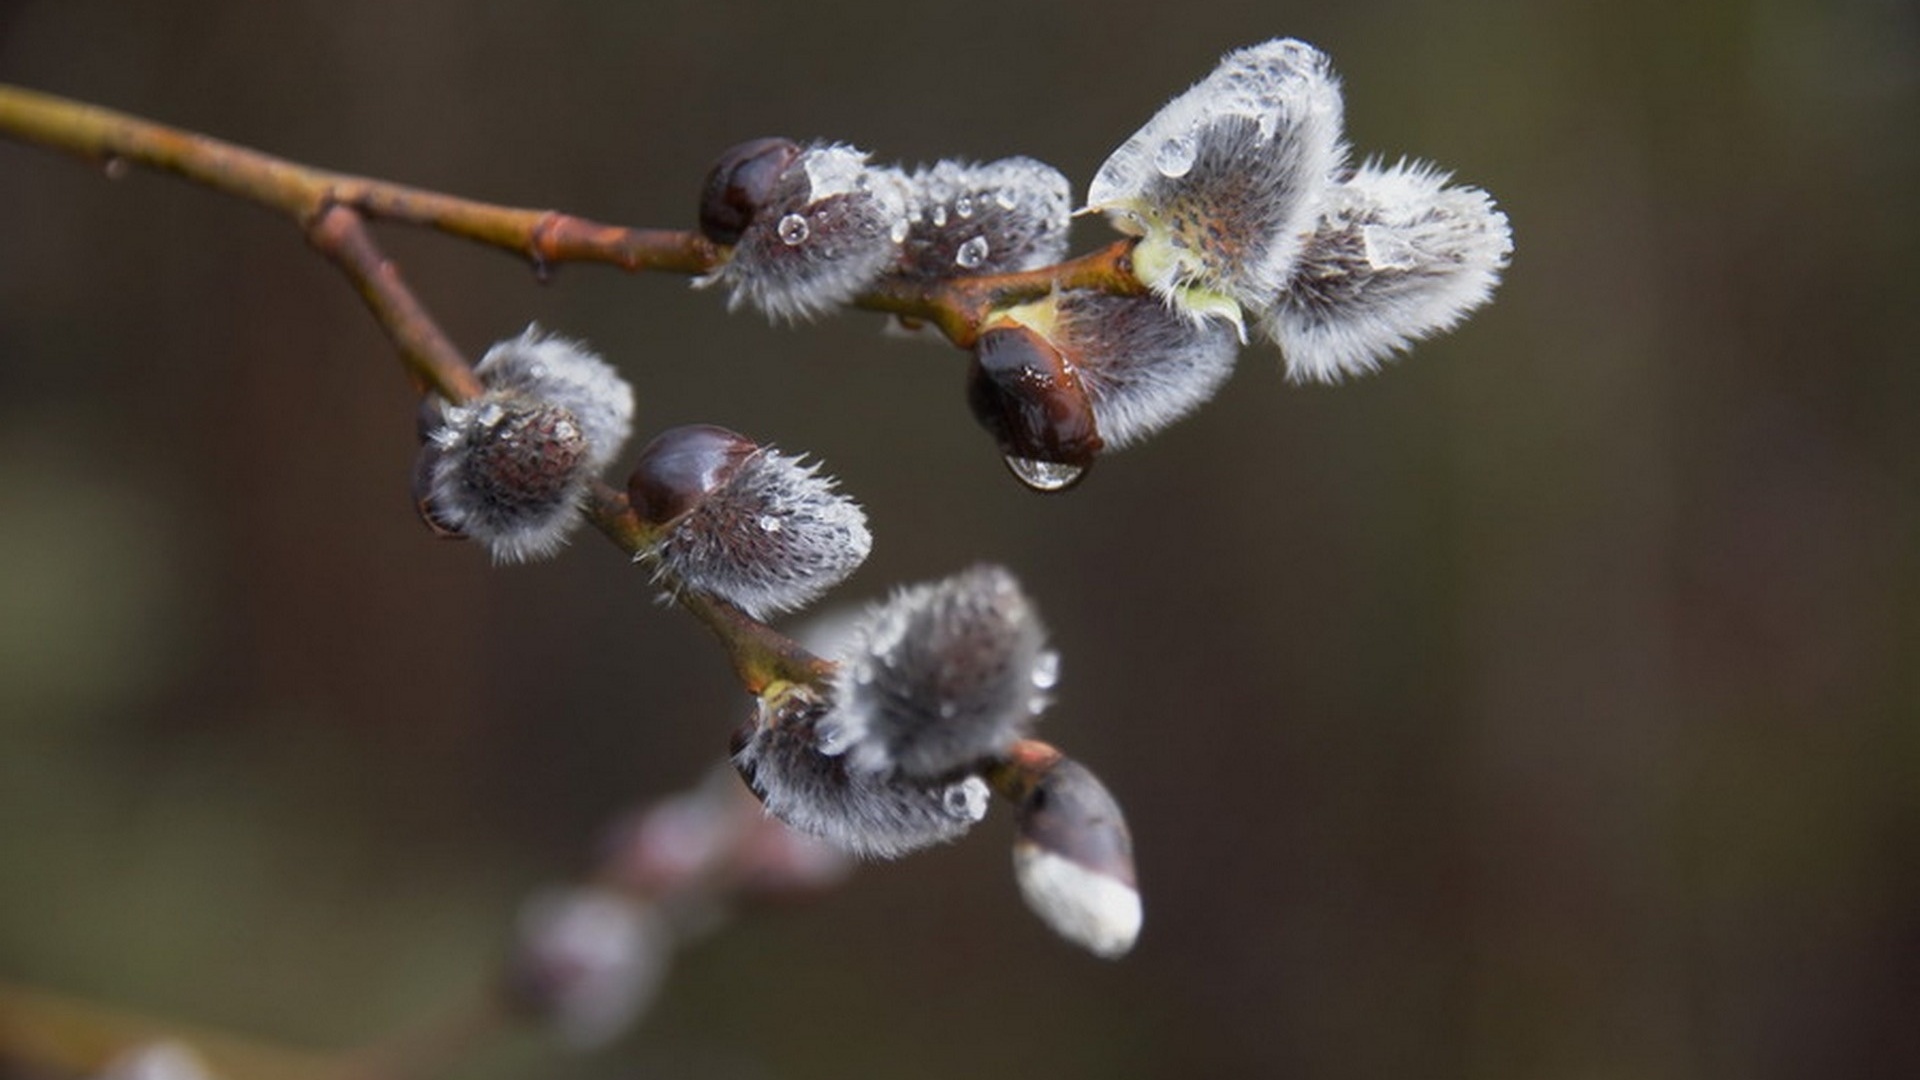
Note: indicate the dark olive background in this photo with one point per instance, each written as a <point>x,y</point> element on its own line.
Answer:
<point>1546,706</point>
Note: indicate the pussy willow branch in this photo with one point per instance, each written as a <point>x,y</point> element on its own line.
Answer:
<point>545,238</point>
<point>333,210</point>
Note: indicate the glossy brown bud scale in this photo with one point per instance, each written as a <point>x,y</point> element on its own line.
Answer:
<point>738,185</point>
<point>1029,398</point>
<point>1070,813</point>
<point>678,470</point>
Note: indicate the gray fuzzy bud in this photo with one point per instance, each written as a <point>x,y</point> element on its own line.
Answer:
<point>828,227</point>
<point>1397,256</point>
<point>510,467</point>
<point>556,371</point>
<point>941,677</point>
<point>1142,365</point>
<point>589,961</point>
<point>1224,181</point>
<point>1003,216</point>
<point>772,536</point>
<point>865,813</point>
<point>508,472</point>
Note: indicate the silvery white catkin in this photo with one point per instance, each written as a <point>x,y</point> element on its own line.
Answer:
<point>828,228</point>
<point>1142,365</point>
<point>1003,216</point>
<point>1224,181</point>
<point>772,537</point>
<point>589,961</point>
<point>557,371</point>
<point>508,469</point>
<point>868,814</point>
<point>942,676</point>
<point>1397,255</point>
<point>508,472</point>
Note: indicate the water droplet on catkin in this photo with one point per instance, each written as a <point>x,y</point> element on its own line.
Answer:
<point>1045,475</point>
<point>1046,670</point>
<point>793,229</point>
<point>1175,156</point>
<point>972,253</point>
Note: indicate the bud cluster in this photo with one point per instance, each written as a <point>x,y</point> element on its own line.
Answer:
<point>933,686</point>
<point>509,467</point>
<point>808,228</point>
<point>1245,205</point>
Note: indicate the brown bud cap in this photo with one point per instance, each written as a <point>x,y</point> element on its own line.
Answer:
<point>1073,858</point>
<point>1029,398</point>
<point>738,185</point>
<point>680,468</point>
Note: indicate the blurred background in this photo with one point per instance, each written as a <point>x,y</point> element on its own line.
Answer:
<point>1546,706</point>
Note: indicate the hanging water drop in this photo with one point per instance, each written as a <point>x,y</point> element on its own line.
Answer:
<point>972,253</point>
<point>1175,156</point>
<point>963,206</point>
<point>1045,475</point>
<point>793,229</point>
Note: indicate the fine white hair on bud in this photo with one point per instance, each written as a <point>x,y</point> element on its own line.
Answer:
<point>1003,216</point>
<point>510,467</point>
<point>1073,859</point>
<point>1397,256</point>
<point>941,677</point>
<point>506,471</point>
<point>822,227</point>
<point>868,814</point>
<point>556,371</point>
<point>588,961</point>
<point>1142,366</point>
<point>1223,183</point>
<point>762,530</point>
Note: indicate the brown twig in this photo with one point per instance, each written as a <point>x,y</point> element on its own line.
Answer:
<point>544,238</point>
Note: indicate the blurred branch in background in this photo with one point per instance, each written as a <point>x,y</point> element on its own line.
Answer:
<point>586,960</point>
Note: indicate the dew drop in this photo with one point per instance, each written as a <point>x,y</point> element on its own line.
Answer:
<point>1006,200</point>
<point>1176,156</point>
<point>832,737</point>
<point>967,799</point>
<point>939,215</point>
<point>901,227</point>
<point>769,523</point>
<point>1046,670</point>
<point>963,206</point>
<point>972,253</point>
<point>1388,250</point>
<point>793,229</point>
<point>1045,475</point>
